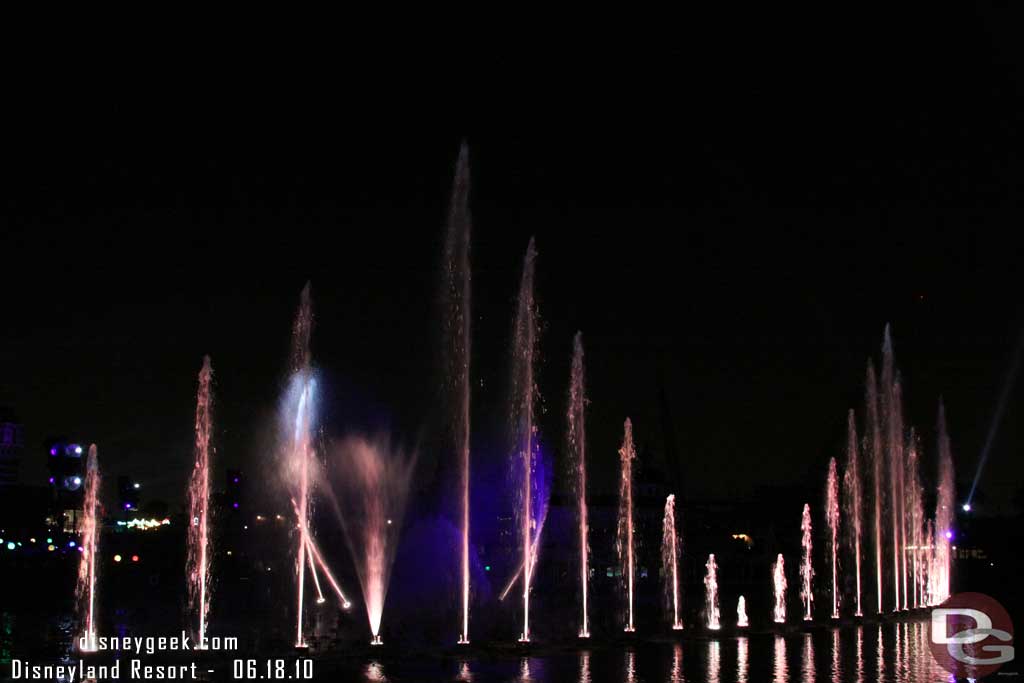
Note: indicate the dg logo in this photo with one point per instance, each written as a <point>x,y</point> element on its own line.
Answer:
<point>971,635</point>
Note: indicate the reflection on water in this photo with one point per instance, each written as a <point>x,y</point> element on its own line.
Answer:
<point>859,667</point>
<point>375,673</point>
<point>861,653</point>
<point>584,667</point>
<point>781,669</point>
<point>742,663</point>
<point>631,666</point>
<point>807,671</point>
<point>676,673</point>
<point>526,673</point>
<point>714,661</point>
<point>836,668</point>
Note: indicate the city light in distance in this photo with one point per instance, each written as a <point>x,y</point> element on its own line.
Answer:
<point>117,558</point>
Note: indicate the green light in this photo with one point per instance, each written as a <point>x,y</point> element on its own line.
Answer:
<point>487,567</point>
<point>10,545</point>
<point>49,540</point>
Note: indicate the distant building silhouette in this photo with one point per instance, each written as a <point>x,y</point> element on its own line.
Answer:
<point>12,444</point>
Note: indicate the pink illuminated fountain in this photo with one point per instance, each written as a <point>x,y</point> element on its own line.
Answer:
<point>806,568</point>
<point>892,416</point>
<point>89,531</point>
<point>741,613</point>
<point>670,560</point>
<point>832,518</point>
<point>779,589</point>
<point>874,445</point>
<point>625,537</point>
<point>374,483</point>
<point>458,341</point>
<point>299,459</point>
<point>198,562</point>
<point>524,395</point>
<point>577,438</point>
<point>853,501</point>
<point>915,520</point>
<point>712,614</point>
<point>943,514</point>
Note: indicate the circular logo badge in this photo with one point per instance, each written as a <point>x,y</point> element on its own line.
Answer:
<point>971,635</point>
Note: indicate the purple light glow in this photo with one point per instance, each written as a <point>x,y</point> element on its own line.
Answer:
<point>51,480</point>
<point>53,451</point>
<point>949,535</point>
<point>234,505</point>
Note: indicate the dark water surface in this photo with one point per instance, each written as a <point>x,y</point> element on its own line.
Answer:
<point>869,652</point>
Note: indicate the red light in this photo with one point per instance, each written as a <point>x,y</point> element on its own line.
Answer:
<point>135,558</point>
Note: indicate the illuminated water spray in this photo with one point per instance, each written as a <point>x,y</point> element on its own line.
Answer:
<point>373,482</point>
<point>299,460</point>
<point>198,564</point>
<point>943,514</point>
<point>741,613</point>
<point>874,446</point>
<point>670,560</point>
<point>893,421</point>
<point>779,589</point>
<point>457,317</point>
<point>915,521</point>
<point>577,437</point>
<point>832,518</point>
<point>524,395</point>
<point>711,612</point>
<point>89,531</point>
<point>625,536</point>
<point>806,568</point>
<point>854,503</point>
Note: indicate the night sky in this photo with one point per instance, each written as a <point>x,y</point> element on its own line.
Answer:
<point>730,218</point>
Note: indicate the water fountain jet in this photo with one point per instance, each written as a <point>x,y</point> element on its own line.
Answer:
<point>779,589</point>
<point>741,613</point>
<point>524,395</point>
<point>458,340</point>
<point>89,531</point>
<point>832,518</point>
<point>198,564</point>
<point>806,568</point>
<point>711,594</point>
<point>577,450</point>
<point>625,536</point>
<point>854,500</point>
<point>670,560</point>
<point>373,482</point>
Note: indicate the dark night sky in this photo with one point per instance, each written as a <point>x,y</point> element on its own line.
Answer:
<point>739,215</point>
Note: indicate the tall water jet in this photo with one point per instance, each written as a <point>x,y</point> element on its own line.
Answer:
<point>893,448</point>
<point>670,560</point>
<point>298,456</point>
<point>874,447</point>
<point>741,613</point>
<point>711,594</point>
<point>625,536</point>
<point>779,589</point>
<point>298,422</point>
<point>832,518</point>
<point>853,500</point>
<point>806,567</point>
<point>89,532</point>
<point>900,472</point>
<point>577,443</point>
<point>458,340</point>
<point>943,512</point>
<point>373,481</point>
<point>915,520</point>
<point>524,395</point>
<point>198,563</point>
